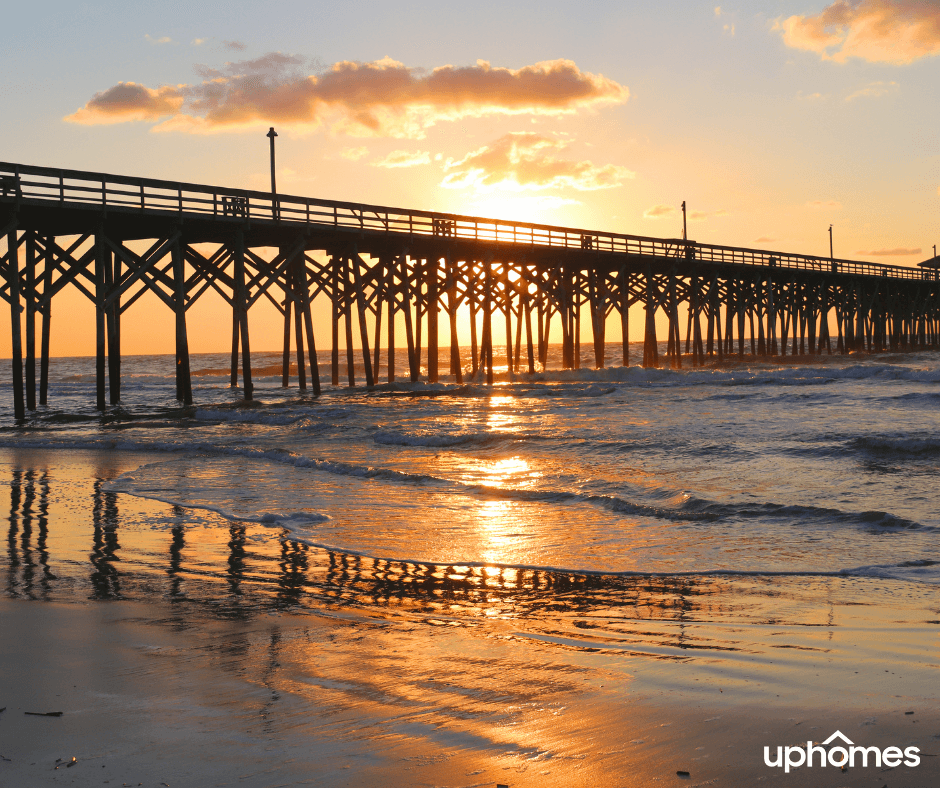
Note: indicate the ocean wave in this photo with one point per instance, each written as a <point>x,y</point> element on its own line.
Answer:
<point>919,571</point>
<point>290,520</point>
<point>691,508</point>
<point>800,514</point>
<point>897,446</point>
<point>922,571</point>
<point>449,439</point>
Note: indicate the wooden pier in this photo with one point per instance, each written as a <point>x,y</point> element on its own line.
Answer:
<point>66,228</point>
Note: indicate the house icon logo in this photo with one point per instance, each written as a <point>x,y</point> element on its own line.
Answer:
<point>839,751</point>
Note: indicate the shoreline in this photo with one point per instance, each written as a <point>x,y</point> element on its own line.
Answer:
<point>169,636</point>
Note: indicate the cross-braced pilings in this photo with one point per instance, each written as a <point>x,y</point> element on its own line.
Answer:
<point>116,238</point>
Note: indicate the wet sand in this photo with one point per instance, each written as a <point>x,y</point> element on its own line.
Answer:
<point>185,649</point>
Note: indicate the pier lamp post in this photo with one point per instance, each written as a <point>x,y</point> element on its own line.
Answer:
<point>271,135</point>
<point>685,230</point>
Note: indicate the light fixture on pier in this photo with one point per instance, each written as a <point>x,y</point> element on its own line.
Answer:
<point>271,135</point>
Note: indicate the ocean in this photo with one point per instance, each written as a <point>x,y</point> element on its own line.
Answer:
<point>740,523</point>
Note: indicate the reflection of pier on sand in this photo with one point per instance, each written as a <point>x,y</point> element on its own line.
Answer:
<point>243,569</point>
<point>233,638</point>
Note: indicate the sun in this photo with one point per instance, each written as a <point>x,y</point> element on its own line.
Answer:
<point>520,207</point>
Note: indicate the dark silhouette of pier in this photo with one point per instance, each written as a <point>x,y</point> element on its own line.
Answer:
<point>67,228</point>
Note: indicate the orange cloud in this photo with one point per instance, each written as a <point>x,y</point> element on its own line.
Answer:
<point>129,101</point>
<point>890,252</point>
<point>700,216</point>
<point>381,98</point>
<point>404,158</point>
<point>880,31</point>
<point>873,90</point>
<point>354,154</point>
<point>658,211</point>
<point>824,204</point>
<point>526,160</point>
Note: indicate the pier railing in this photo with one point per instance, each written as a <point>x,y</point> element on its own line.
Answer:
<point>150,196</point>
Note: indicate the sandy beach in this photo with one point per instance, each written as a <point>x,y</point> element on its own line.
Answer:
<point>185,650</point>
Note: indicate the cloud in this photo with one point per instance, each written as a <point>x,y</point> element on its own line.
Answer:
<point>717,10</point>
<point>236,46</point>
<point>403,158</point>
<point>381,98</point>
<point>699,216</point>
<point>880,31</point>
<point>162,40</point>
<point>526,161</point>
<point>659,211</point>
<point>129,101</point>
<point>810,96</point>
<point>873,90</point>
<point>890,252</point>
<point>354,154</point>
<point>730,29</point>
<point>764,240</point>
<point>824,204</point>
<point>198,41</point>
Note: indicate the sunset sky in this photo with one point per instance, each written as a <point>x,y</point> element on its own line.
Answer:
<point>771,118</point>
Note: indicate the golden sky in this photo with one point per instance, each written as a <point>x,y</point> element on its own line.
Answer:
<point>772,120</point>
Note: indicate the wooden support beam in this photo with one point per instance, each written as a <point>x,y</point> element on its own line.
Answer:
<point>418,278</point>
<point>650,349</point>
<point>305,303</point>
<point>235,331</point>
<point>48,266</point>
<point>13,278</point>
<point>576,318</point>
<point>472,302</point>
<point>542,326</point>
<point>30,299</point>
<point>567,320</point>
<point>112,279</point>
<point>455,365</point>
<point>487,349</point>
<point>184,383</point>
<point>414,360</point>
<point>100,295</point>
<point>347,323</point>
<point>336,301</point>
<point>431,271</point>
<point>378,294</point>
<point>363,328</point>
<point>285,356</point>
<point>241,302</point>
<point>674,337</point>
<point>507,311</point>
<point>390,289</point>
<point>295,296</point>
<point>598,297</point>
<point>530,348</point>
<point>625,316</point>
<point>760,301</point>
